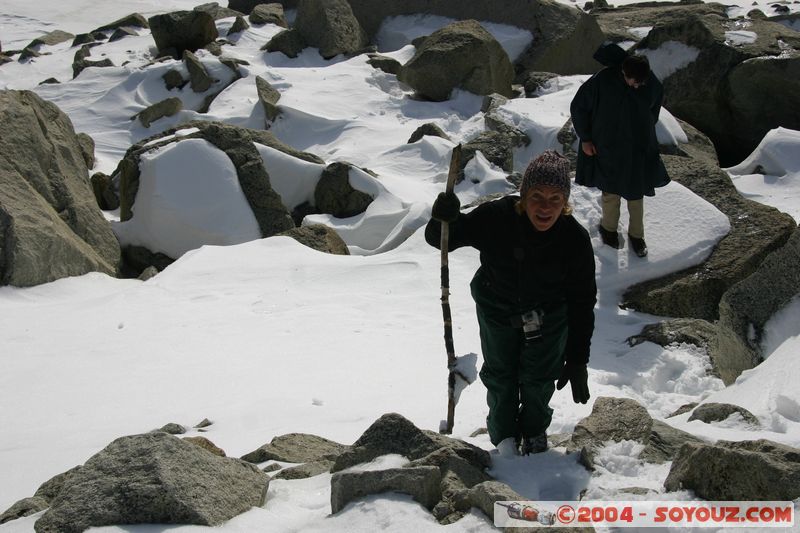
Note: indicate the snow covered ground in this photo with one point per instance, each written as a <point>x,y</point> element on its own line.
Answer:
<point>266,337</point>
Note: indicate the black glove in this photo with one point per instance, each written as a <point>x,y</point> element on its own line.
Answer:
<point>446,207</point>
<point>578,379</point>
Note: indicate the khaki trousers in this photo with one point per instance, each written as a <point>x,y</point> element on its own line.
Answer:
<point>610,221</point>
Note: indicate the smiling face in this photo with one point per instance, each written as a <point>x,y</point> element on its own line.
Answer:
<point>543,205</point>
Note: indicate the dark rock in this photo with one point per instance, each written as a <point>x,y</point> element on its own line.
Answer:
<point>137,259</point>
<point>319,237</point>
<point>535,81</point>
<point>268,14</point>
<point>240,24</point>
<point>49,81</point>
<point>756,231</point>
<point>748,305</point>
<point>87,149</point>
<point>700,333</point>
<point>216,11</point>
<point>164,108</point>
<point>206,445</point>
<point>428,128</point>
<point>756,14</point>
<point>565,38</point>
<point>51,39</point>
<point>717,412</point>
<point>304,471</point>
<point>296,448</point>
<point>336,196</point>
<point>173,79</point>
<point>612,419</point>
<point>154,479</point>
<point>246,6</point>
<point>665,443</point>
<point>272,467</point>
<point>685,408</point>
<point>497,147</point>
<point>204,423</point>
<point>384,63</point>
<point>24,507</point>
<point>268,96</point>
<point>173,429</point>
<point>288,42</point>
<point>182,30</point>
<point>460,55</point>
<point>121,33</point>
<point>421,483</point>
<point>50,489</point>
<point>134,20</point>
<point>748,470</point>
<point>104,193</point>
<point>148,273</point>
<point>49,219</point>
<point>199,78</point>
<point>330,26</point>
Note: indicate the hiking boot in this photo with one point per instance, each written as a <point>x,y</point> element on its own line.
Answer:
<point>536,444</point>
<point>639,246</point>
<point>611,238</point>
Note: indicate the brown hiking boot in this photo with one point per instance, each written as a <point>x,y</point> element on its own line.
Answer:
<point>639,246</point>
<point>611,238</point>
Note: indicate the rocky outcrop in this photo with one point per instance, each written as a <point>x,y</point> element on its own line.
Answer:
<point>165,108</point>
<point>746,308</point>
<point>319,237</point>
<point>756,231</point>
<point>296,448</point>
<point>748,470</point>
<point>623,419</point>
<point>717,412</point>
<point>330,26</point>
<point>460,55</point>
<point>268,14</point>
<point>50,224</point>
<point>729,89</point>
<point>565,38</point>
<point>617,22</point>
<point>422,483</point>
<point>336,196</point>
<point>179,31</point>
<point>154,479</point>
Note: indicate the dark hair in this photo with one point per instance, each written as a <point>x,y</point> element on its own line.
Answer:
<point>636,68</point>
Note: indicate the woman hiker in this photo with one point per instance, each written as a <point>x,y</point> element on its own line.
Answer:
<point>534,292</point>
<point>615,113</point>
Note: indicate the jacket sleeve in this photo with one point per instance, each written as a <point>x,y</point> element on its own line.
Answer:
<point>582,108</point>
<point>657,98</point>
<point>581,297</point>
<point>469,229</point>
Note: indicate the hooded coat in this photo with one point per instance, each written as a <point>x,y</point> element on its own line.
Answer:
<point>620,121</point>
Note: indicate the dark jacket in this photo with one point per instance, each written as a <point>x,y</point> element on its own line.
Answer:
<point>620,121</point>
<point>526,269</point>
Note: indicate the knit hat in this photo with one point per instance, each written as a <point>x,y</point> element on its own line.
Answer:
<point>550,168</point>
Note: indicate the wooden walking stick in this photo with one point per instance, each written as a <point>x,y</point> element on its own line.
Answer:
<point>447,426</point>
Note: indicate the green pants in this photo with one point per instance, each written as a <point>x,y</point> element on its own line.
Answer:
<point>519,377</point>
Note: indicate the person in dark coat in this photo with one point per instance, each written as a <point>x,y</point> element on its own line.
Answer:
<point>614,114</point>
<point>535,293</point>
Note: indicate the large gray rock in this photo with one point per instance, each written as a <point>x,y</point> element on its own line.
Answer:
<point>296,448</point>
<point>460,55</point>
<point>268,96</point>
<point>564,37</point>
<point>336,196</point>
<point>288,42</point>
<point>305,470</point>
<point>746,308</point>
<point>612,419</point>
<point>421,483</point>
<point>217,11</point>
<point>330,26</point>
<point>50,224</point>
<point>246,6</point>
<point>165,108</point>
<point>238,144</point>
<point>319,237</point>
<point>394,434</point>
<point>748,470</point>
<point>756,231</point>
<point>717,412</point>
<point>665,442</point>
<point>199,78</point>
<point>178,31</point>
<point>134,20</point>
<point>268,14</point>
<point>24,507</point>
<point>50,39</point>
<point>618,22</point>
<point>154,479</point>
<point>428,128</point>
<point>729,90</point>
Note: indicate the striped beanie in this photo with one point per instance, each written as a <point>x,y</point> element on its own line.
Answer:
<point>550,168</point>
